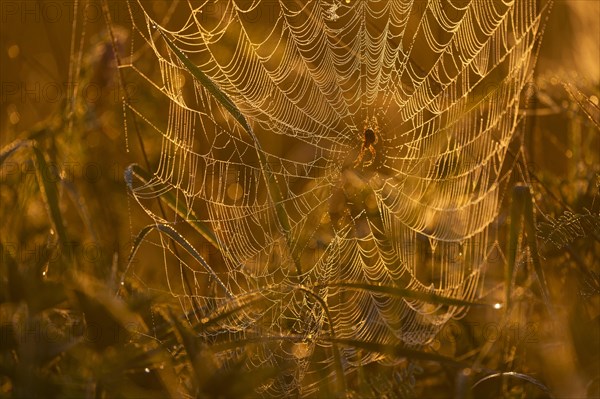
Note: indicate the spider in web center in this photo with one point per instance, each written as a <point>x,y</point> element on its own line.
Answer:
<point>369,138</point>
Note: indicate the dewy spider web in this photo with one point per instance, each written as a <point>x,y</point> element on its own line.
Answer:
<point>440,84</point>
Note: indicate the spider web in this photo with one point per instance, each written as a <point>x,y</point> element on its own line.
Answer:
<point>439,83</point>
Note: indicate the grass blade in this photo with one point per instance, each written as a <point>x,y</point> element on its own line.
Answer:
<point>9,149</point>
<point>403,293</point>
<point>192,345</point>
<point>137,242</point>
<point>337,356</point>
<point>396,351</point>
<point>13,288</point>
<point>213,89</point>
<point>228,104</point>
<point>50,196</point>
<point>192,251</point>
<point>516,216</point>
<point>513,374</point>
<point>179,239</point>
<point>530,232</point>
<point>177,206</point>
<point>522,218</point>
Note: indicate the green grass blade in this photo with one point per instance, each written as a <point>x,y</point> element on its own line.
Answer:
<point>13,288</point>
<point>530,231</point>
<point>192,346</point>
<point>516,216</point>
<point>221,315</point>
<point>394,350</point>
<point>403,293</point>
<point>192,251</point>
<point>522,219</point>
<point>519,376</point>
<point>178,207</point>
<point>240,343</point>
<point>337,355</point>
<point>103,310</point>
<point>137,242</point>
<point>9,149</point>
<point>228,104</point>
<point>50,196</point>
<point>178,238</point>
<point>216,92</point>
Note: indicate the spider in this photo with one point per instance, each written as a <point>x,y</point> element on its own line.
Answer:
<point>369,138</point>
